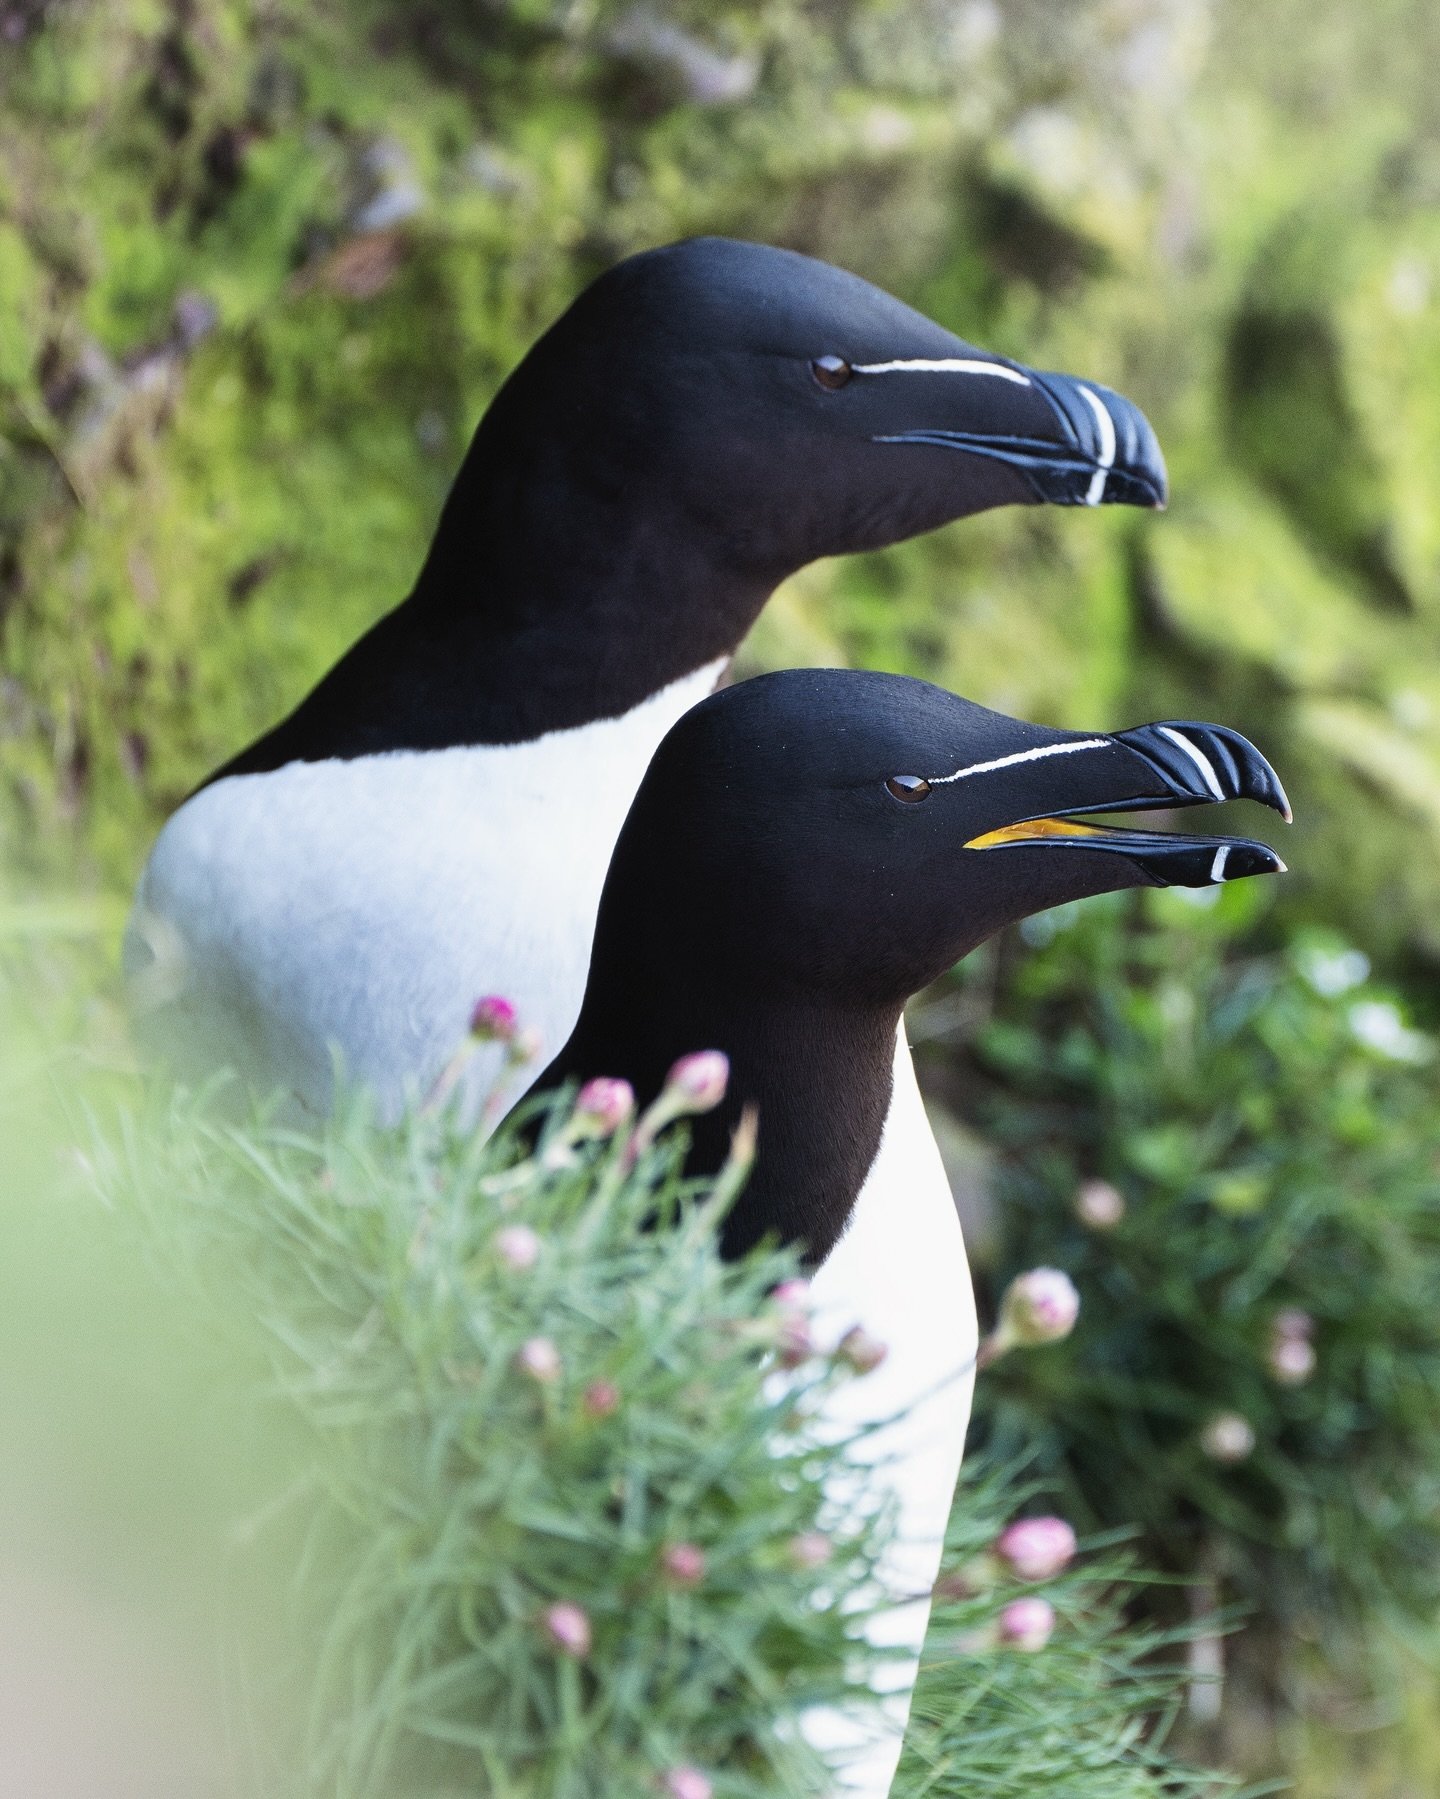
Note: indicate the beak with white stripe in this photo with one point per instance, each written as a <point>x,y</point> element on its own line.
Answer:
<point>1082,445</point>
<point>1176,764</point>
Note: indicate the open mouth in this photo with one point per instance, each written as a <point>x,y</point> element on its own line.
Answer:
<point>1195,765</point>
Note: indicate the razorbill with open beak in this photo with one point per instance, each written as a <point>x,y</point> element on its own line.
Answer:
<point>807,851</point>
<point>434,821</point>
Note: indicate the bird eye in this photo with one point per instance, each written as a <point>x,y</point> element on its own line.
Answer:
<point>910,789</point>
<point>831,372</point>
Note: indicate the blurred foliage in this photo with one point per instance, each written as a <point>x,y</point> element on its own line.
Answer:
<point>264,262</point>
<point>1271,1124</point>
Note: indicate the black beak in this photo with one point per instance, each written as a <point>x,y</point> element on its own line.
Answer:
<point>1168,765</point>
<point>1076,443</point>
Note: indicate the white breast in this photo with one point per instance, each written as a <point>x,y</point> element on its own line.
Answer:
<point>362,906</point>
<point>900,1270</point>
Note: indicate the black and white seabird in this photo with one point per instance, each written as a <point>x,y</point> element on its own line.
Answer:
<point>807,851</point>
<point>434,821</point>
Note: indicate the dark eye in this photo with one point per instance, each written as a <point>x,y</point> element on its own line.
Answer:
<point>831,371</point>
<point>909,788</point>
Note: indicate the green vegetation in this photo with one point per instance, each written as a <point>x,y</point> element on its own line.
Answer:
<point>262,263</point>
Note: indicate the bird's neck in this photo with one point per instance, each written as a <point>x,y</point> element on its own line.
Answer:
<point>819,1076</point>
<point>545,604</point>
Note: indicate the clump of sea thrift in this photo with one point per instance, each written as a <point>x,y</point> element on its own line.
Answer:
<point>695,1084</point>
<point>1228,1438</point>
<point>1026,1623</point>
<point>601,1107</point>
<point>494,1019</point>
<point>567,1628</point>
<point>518,1247</point>
<point>810,1549</point>
<point>1099,1205</point>
<point>601,1399</point>
<point>860,1351</point>
<point>683,1564</point>
<point>1040,1306</point>
<point>1036,1548</point>
<point>540,1359</point>
<point>685,1783</point>
<point>1291,1355</point>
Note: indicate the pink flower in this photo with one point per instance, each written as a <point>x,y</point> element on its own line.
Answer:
<point>517,1247</point>
<point>1292,1360</point>
<point>1099,1205</point>
<point>568,1629</point>
<point>493,1019</point>
<point>685,1783</point>
<point>1036,1548</point>
<point>683,1564</point>
<point>863,1352</point>
<point>1228,1438</point>
<point>1027,1623</point>
<point>1290,1321</point>
<point>810,1549</point>
<point>1042,1306</point>
<point>699,1080</point>
<point>793,1341</point>
<point>603,1105</point>
<point>794,1293</point>
<point>540,1359</point>
<point>601,1399</point>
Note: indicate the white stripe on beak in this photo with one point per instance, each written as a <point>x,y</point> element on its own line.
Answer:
<point>949,365</point>
<point>1198,757</point>
<point>1096,492</point>
<point>1217,867</point>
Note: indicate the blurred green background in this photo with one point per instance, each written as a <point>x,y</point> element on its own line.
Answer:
<point>263,263</point>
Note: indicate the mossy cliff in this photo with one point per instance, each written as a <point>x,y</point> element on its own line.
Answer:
<point>262,263</point>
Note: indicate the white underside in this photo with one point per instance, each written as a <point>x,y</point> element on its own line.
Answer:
<point>900,1270</point>
<point>360,908</point>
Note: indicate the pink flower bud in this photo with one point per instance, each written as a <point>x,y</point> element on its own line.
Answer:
<point>685,1783</point>
<point>1039,1307</point>
<point>793,1341</point>
<point>794,1293</point>
<point>1290,1321</point>
<point>1227,1438</point>
<point>863,1352</point>
<point>1099,1205</point>
<point>517,1247</point>
<point>1027,1623</point>
<point>603,1105</point>
<point>540,1359</point>
<point>493,1020</point>
<point>601,1399</point>
<point>567,1628</point>
<point>1292,1359</point>
<point>683,1564</point>
<point>699,1080</point>
<point>1036,1548</point>
<point>810,1549</point>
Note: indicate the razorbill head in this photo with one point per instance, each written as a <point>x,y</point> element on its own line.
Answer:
<point>434,821</point>
<point>806,851</point>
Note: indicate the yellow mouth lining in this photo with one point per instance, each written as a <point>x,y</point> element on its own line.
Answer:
<point>1032,829</point>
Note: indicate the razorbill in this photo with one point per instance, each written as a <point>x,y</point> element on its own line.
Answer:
<point>808,850</point>
<point>434,821</point>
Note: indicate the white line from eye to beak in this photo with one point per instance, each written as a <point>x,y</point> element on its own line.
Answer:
<point>1035,755</point>
<point>947,365</point>
<point>1217,867</point>
<point>1096,492</point>
<point>1201,761</point>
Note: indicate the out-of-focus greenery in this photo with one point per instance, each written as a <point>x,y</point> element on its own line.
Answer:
<point>263,264</point>
<point>1270,1126</point>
